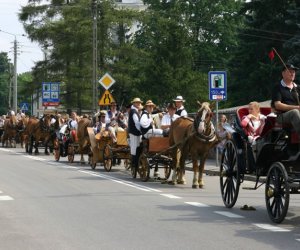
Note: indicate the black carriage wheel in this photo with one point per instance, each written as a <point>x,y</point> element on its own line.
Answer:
<point>107,156</point>
<point>277,192</point>
<point>144,168</point>
<point>167,170</point>
<point>229,175</point>
<point>71,153</point>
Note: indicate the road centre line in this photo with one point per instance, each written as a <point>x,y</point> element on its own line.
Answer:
<point>196,204</point>
<point>140,187</point>
<point>272,228</point>
<point>228,214</point>
<point>6,198</point>
<point>117,180</point>
<point>171,196</point>
<point>35,158</point>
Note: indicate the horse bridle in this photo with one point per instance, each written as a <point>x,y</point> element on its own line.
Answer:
<point>206,124</point>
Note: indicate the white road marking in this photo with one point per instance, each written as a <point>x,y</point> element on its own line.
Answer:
<point>272,228</point>
<point>35,158</point>
<point>196,204</point>
<point>297,239</point>
<point>6,198</point>
<point>130,184</point>
<point>171,196</point>
<point>229,214</point>
<point>6,150</point>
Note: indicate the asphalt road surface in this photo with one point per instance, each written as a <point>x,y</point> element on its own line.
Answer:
<point>57,205</point>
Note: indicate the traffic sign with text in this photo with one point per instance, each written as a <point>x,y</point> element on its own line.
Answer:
<point>217,84</point>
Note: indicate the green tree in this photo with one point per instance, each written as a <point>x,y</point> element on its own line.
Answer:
<point>182,41</point>
<point>5,79</point>
<point>252,72</point>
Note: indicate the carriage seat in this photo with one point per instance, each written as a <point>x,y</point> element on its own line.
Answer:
<point>270,122</point>
<point>241,112</point>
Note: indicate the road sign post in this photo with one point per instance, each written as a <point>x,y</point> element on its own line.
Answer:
<point>217,85</point>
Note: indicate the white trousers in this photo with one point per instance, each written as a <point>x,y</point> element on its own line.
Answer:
<point>134,143</point>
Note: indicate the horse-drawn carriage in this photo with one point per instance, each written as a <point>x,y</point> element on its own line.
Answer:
<point>155,152</point>
<point>105,151</point>
<point>66,144</point>
<point>274,162</point>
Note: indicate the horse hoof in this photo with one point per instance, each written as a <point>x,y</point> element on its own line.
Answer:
<point>181,182</point>
<point>171,183</point>
<point>201,186</point>
<point>195,186</point>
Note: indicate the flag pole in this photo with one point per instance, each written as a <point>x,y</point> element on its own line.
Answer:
<point>280,58</point>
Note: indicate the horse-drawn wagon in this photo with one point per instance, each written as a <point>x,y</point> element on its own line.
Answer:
<point>155,152</point>
<point>105,151</point>
<point>66,145</point>
<point>275,162</point>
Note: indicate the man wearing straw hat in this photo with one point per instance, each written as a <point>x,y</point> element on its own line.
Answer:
<point>285,98</point>
<point>134,130</point>
<point>180,110</point>
<point>146,121</point>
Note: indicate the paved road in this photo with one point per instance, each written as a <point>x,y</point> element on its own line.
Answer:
<point>55,205</point>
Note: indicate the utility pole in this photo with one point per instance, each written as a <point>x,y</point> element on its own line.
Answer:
<point>95,51</point>
<point>10,86</point>
<point>15,95</point>
<point>15,77</point>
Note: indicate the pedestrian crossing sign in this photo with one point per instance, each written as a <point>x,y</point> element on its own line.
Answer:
<point>24,106</point>
<point>106,99</point>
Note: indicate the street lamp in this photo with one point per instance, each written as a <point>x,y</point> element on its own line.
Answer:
<point>15,85</point>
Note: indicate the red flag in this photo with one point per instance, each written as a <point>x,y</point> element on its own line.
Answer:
<point>271,54</point>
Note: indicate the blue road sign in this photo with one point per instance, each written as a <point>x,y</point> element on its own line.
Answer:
<point>24,106</point>
<point>217,84</point>
<point>50,93</point>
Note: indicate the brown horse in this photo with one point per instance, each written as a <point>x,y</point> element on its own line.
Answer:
<point>10,132</point>
<point>192,138</point>
<point>83,137</point>
<point>38,130</point>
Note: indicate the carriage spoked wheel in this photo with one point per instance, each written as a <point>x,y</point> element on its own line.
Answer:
<point>107,157</point>
<point>56,149</point>
<point>71,153</point>
<point>167,171</point>
<point>144,168</point>
<point>230,178</point>
<point>277,192</point>
<point>127,164</point>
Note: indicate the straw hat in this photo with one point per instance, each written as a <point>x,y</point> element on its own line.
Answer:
<point>150,103</point>
<point>179,98</point>
<point>136,100</point>
<point>102,113</point>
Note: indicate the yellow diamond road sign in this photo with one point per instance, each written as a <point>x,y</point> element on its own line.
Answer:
<point>107,81</point>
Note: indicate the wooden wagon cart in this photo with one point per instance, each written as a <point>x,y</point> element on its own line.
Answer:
<point>105,151</point>
<point>155,154</point>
